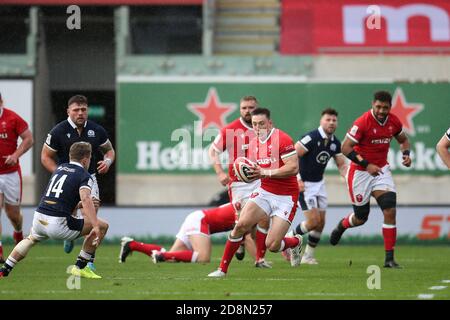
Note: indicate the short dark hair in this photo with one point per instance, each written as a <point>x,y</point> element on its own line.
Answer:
<point>78,99</point>
<point>258,111</point>
<point>249,98</point>
<point>330,111</point>
<point>383,96</point>
<point>80,150</point>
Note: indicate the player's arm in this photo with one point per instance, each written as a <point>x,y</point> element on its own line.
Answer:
<point>341,162</point>
<point>24,146</point>
<point>109,155</point>
<point>442,149</point>
<point>349,152</point>
<point>403,140</point>
<point>301,151</point>
<point>48,158</point>
<point>214,156</point>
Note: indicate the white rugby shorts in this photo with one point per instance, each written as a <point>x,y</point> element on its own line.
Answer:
<point>240,193</point>
<point>314,196</point>
<point>57,228</point>
<point>361,184</point>
<point>11,187</point>
<point>193,224</point>
<point>283,206</point>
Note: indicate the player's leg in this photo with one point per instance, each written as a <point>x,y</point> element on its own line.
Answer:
<point>387,201</point>
<point>19,253</point>
<point>359,184</point>
<point>2,259</point>
<point>277,240</point>
<point>262,229</point>
<point>314,239</point>
<point>309,203</point>
<point>252,213</point>
<point>38,233</point>
<point>200,252</point>
<point>90,244</point>
<point>15,216</point>
<point>129,245</point>
<point>13,197</point>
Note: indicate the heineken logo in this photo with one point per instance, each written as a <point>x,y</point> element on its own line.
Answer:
<point>405,111</point>
<point>211,112</point>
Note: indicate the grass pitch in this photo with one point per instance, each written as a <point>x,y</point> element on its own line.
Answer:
<point>341,274</point>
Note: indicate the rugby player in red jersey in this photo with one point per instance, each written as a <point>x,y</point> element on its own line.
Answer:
<point>367,145</point>
<point>193,242</point>
<point>276,198</point>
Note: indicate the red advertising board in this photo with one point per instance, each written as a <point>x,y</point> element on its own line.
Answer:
<point>356,26</point>
<point>101,2</point>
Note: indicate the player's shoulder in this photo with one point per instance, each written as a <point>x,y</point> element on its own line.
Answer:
<point>93,125</point>
<point>63,125</point>
<point>236,124</point>
<point>394,119</point>
<point>282,135</point>
<point>10,114</point>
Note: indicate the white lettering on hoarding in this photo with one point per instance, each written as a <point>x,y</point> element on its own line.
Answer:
<point>396,22</point>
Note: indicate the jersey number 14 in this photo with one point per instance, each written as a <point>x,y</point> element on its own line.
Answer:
<point>57,187</point>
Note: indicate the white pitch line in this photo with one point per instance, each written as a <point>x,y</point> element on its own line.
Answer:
<point>445,281</point>
<point>437,287</point>
<point>425,296</point>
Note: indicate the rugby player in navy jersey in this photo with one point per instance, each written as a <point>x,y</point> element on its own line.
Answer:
<point>77,128</point>
<point>69,188</point>
<point>314,150</point>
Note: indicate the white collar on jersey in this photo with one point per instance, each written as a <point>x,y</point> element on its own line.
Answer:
<point>73,124</point>
<point>245,124</point>
<point>76,163</point>
<point>1,111</point>
<point>381,124</point>
<point>324,135</point>
<point>268,136</point>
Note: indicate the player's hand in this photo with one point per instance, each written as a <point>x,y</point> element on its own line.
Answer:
<point>102,167</point>
<point>11,160</point>
<point>301,186</point>
<point>407,161</point>
<point>374,170</point>
<point>96,203</point>
<point>255,173</point>
<point>224,179</point>
<point>96,236</point>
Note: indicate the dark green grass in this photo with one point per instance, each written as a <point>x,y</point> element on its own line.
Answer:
<point>341,274</point>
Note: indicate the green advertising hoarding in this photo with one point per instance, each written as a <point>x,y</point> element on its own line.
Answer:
<point>166,125</point>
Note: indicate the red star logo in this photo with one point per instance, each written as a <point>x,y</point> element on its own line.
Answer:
<point>211,112</point>
<point>405,111</point>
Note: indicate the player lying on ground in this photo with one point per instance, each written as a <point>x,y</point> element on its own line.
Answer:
<point>193,242</point>
<point>69,184</point>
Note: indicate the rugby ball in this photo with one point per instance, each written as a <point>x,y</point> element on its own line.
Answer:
<point>242,167</point>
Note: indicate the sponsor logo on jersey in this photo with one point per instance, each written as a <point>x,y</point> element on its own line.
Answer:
<point>68,135</point>
<point>333,147</point>
<point>381,141</point>
<point>353,130</point>
<point>359,197</point>
<point>4,135</point>
<point>91,133</point>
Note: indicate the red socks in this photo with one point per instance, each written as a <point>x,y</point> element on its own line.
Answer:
<point>346,222</point>
<point>230,249</point>
<point>290,242</point>
<point>180,256</point>
<point>390,236</point>
<point>261,235</point>
<point>18,236</point>
<point>144,247</point>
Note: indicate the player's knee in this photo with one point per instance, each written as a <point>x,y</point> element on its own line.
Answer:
<point>241,228</point>
<point>361,213</point>
<point>273,245</point>
<point>203,258</point>
<point>387,200</point>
